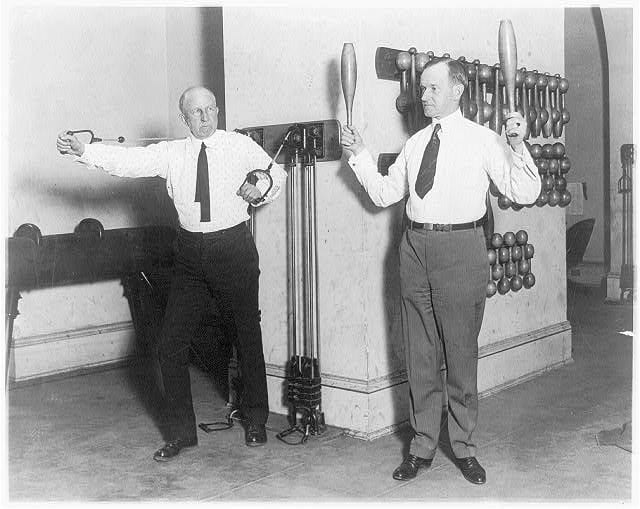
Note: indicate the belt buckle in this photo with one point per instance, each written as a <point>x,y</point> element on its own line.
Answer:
<point>442,227</point>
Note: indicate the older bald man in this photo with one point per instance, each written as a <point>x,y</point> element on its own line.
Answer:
<point>216,256</point>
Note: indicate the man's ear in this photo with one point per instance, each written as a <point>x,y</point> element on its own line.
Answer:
<point>183,118</point>
<point>458,90</point>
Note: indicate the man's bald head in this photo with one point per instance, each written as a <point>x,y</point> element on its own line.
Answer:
<point>199,111</point>
<point>197,89</point>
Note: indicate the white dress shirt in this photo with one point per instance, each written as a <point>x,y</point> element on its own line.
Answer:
<point>468,156</point>
<point>230,156</point>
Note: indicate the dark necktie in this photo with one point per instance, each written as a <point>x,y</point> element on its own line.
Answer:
<point>427,172</point>
<point>202,185</point>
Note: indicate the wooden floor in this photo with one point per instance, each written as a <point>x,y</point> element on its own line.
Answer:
<point>91,438</point>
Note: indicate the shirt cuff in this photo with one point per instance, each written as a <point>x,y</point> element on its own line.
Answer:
<point>85,158</point>
<point>524,162</point>
<point>365,155</point>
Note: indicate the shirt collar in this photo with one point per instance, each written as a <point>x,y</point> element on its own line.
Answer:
<point>209,142</point>
<point>448,121</point>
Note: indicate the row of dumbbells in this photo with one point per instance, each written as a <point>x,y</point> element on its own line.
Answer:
<point>552,164</point>
<point>539,97</point>
<point>510,257</point>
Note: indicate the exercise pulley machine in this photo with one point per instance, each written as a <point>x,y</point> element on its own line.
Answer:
<point>303,369</point>
<point>298,147</point>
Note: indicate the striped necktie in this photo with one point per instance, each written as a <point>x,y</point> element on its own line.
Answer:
<point>427,172</point>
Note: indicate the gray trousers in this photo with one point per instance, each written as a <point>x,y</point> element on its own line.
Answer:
<point>443,277</point>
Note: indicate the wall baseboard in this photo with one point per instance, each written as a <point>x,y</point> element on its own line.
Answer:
<point>369,410</point>
<point>61,354</point>
<point>365,409</point>
<point>400,376</point>
<point>389,430</point>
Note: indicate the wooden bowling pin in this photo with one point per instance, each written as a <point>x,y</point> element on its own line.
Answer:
<point>547,128</point>
<point>485,79</point>
<point>536,127</point>
<point>471,77</point>
<point>553,95</point>
<point>464,100</point>
<point>529,86</point>
<point>495,122</point>
<point>563,86</point>
<point>524,103</point>
<point>349,75</point>
<point>544,114</point>
<point>508,56</point>
<point>518,100</point>
<point>478,94</point>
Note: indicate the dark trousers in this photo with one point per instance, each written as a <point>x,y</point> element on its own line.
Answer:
<point>222,265</point>
<point>443,277</point>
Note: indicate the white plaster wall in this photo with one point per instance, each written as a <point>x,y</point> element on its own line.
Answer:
<point>117,71</point>
<point>585,133</point>
<point>586,143</point>
<point>296,77</point>
<point>618,25</point>
<point>82,68</point>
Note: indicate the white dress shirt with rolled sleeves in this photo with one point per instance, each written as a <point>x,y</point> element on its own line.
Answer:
<point>230,156</point>
<point>469,155</point>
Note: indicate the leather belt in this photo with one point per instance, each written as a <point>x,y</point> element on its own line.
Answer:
<point>439,227</point>
<point>210,235</point>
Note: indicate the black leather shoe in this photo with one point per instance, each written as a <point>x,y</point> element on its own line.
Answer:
<point>409,467</point>
<point>472,470</point>
<point>172,448</point>
<point>255,435</point>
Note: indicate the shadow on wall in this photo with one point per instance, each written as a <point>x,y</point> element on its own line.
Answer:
<point>213,57</point>
<point>334,88</point>
<point>145,200</point>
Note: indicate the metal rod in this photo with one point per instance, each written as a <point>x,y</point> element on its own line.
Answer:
<point>299,272</point>
<point>252,219</point>
<point>122,139</point>
<point>291,262</point>
<point>305,251</point>
<point>284,140</point>
<point>308,334</point>
<point>312,262</point>
<point>295,290</point>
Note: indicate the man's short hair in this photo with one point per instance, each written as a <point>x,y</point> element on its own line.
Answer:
<point>457,70</point>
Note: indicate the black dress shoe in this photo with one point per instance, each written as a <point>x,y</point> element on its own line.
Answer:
<point>408,469</point>
<point>172,448</point>
<point>255,434</point>
<point>472,470</point>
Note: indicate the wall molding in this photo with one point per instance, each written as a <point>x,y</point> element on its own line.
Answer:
<point>51,337</point>
<point>125,330</point>
<point>400,376</point>
<point>393,428</point>
<point>61,354</point>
